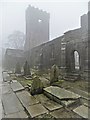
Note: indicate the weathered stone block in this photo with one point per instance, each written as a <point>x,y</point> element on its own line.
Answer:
<point>37,86</point>
<point>54,74</point>
<point>36,110</point>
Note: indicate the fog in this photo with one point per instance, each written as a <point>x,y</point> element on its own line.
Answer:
<point>64,16</point>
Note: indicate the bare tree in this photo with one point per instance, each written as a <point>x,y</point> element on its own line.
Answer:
<point>16,40</point>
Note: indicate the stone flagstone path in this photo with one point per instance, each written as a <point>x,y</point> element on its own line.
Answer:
<point>83,111</point>
<point>17,102</point>
<point>11,104</point>
<point>16,86</point>
<point>36,110</point>
<point>26,99</point>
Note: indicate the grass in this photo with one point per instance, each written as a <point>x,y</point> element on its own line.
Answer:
<point>23,81</point>
<point>79,84</point>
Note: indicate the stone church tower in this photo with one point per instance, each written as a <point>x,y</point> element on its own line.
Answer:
<point>37,27</point>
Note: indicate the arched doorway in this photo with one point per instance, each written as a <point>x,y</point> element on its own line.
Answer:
<point>76,60</point>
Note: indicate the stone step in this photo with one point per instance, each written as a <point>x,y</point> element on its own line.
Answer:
<point>69,79</point>
<point>61,95</point>
<point>72,76</point>
<point>83,111</point>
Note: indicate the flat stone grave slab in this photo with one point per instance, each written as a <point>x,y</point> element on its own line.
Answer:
<point>6,89</point>
<point>41,98</point>
<point>51,105</point>
<point>21,114</point>
<point>16,86</point>
<point>82,93</point>
<point>63,113</point>
<point>60,93</point>
<point>26,99</point>
<point>11,103</point>
<point>68,103</point>
<point>83,111</point>
<point>6,77</point>
<point>36,110</point>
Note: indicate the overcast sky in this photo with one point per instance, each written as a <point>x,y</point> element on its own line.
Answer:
<point>64,15</point>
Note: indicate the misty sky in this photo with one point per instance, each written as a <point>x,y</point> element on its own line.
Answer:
<point>64,15</point>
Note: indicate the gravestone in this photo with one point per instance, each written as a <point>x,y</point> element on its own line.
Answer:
<point>36,86</point>
<point>18,69</point>
<point>54,73</point>
<point>6,77</point>
<point>27,69</point>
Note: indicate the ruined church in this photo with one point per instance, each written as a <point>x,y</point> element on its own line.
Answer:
<point>69,51</point>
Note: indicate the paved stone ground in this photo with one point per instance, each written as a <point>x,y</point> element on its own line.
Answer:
<point>26,99</point>
<point>0,92</point>
<point>82,111</point>
<point>16,86</point>
<point>18,102</point>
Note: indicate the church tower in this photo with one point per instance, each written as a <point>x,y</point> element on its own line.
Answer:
<point>37,27</point>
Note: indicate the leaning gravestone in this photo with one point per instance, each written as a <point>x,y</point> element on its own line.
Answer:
<point>18,69</point>
<point>37,86</point>
<point>26,69</point>
<point>54,73</point>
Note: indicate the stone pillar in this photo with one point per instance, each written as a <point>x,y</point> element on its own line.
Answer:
<point>63,56</point>
<point>86,66</point>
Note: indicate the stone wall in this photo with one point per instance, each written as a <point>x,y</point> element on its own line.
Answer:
<point>60,51</point>
<point>76,42</point>
<point>12,56</point>
<point>46,54</point>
